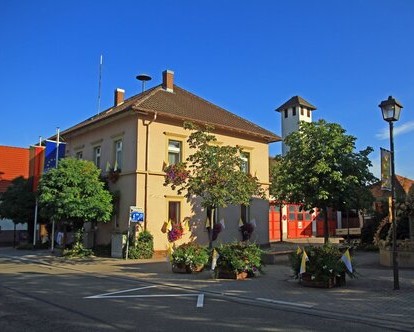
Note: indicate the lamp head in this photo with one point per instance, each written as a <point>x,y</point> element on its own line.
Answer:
<point>391,109</point>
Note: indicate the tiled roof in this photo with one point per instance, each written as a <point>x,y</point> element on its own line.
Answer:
<point>183,105</point>
<point>296,101</point>
<point>402,186</point>
<point>14,162</point>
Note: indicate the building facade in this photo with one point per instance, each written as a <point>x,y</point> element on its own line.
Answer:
<point>138,136</point>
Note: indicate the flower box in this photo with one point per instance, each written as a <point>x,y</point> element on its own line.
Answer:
<point>181,268</point>
<point>225,274</point>
<point>306,280</point>
<point>189,258</point>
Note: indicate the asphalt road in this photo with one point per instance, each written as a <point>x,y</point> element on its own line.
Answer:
<point>42,297</point>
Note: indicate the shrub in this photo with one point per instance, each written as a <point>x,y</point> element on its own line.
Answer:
<point>324,262</point>
<point>240,257</point>
<point>190,255</point>
<point>143,247</point>
<point>78,250</point>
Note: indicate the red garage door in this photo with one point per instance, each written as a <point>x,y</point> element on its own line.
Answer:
<point>274,222</point>
<point>299,222</point>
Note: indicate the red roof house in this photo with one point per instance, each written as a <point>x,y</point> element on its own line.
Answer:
<point>14,162</point>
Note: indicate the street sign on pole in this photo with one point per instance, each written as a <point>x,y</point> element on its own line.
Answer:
<point>136,214</point>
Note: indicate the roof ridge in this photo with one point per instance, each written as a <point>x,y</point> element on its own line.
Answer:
<point>223,109</point>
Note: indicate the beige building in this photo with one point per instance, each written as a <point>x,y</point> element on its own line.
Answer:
<point>141,134</point>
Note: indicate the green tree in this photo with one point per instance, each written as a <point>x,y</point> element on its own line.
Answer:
<point>74,193</point>
<point>214,173</point>
<point>276,188</point>
<point>18,203</point>
<point>321,168</point>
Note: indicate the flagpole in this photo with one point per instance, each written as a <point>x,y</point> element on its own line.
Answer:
<point>37,204</point>
<point>57,158</point>
<point>100,84</point>
<point>57,146</point>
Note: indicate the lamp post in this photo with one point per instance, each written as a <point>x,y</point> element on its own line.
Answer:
<point>391,109</point>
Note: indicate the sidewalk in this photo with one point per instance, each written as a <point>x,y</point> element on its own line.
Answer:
<point>369,298</point>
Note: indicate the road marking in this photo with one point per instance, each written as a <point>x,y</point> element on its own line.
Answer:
<point>121,294</point>
<point>200,301</point>
<point>285,303</point>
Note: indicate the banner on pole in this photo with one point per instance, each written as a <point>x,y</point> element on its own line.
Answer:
<point>50,154</point>
<point>385,169</point>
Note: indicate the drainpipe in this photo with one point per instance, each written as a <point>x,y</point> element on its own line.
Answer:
<point>146,168</point>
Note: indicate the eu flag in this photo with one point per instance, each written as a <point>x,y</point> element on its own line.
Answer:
<point>50,154</point>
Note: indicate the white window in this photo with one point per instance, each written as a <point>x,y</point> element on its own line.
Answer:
<point>79,155</point>
<point>174,152</point>
<point>245,157</point>
<point>118,155</point>
<point>97,156</point>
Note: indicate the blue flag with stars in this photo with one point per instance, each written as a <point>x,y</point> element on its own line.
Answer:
<point>50,154</point>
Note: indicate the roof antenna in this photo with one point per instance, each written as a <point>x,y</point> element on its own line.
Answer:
<point>143,78</point>
<point>100,83</point>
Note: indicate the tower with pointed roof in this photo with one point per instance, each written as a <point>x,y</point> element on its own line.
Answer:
<point>295,110</point>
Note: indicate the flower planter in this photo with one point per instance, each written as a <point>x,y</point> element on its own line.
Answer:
<point>225,274</point>
<point>306,280</point>
<point>405,258</point>
<point>181,268</point>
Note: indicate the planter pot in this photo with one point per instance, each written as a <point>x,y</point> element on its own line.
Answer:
<point>307,281</point>
<point>405,258</point>
<point>225,274</point>
<point>182,268</point>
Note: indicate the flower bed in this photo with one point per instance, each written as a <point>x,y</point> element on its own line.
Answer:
<point>238,257</point>
<point>189,258</point>
<point>323,268</point>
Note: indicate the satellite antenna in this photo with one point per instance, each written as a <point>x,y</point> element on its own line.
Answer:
<point>143,78</point>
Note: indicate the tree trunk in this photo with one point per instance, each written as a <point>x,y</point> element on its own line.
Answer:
<point>326,225</point>
<point>210,230</point>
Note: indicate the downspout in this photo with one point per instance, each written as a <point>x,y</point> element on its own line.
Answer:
<point>146,168</point>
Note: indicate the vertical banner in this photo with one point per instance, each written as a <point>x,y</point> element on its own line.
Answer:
<point>36,164</point>
<point>50,154</point>
<point>385,169</point>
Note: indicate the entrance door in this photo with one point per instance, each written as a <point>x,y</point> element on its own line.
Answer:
<point>274,222</point>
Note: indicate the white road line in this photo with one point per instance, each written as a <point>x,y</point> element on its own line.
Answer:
<point>137,296</point>
<point>119,292</point>
<point>200,301</point>
<point>293,304</point>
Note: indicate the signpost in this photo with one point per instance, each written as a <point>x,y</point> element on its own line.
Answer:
<point>136,215</point>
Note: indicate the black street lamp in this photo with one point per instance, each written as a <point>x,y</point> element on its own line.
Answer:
<point>391,109</point>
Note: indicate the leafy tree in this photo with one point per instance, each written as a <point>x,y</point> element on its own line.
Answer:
<point>321,168</point>
<point>73,192</point>
<point>276,188</point>
<point>214,173</point>
<point>18,203</point>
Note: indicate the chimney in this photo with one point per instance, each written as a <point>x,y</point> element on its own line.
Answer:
<point>119,96</point>
<point>168,80</point>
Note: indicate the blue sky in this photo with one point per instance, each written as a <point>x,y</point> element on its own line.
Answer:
<point>248,57</point>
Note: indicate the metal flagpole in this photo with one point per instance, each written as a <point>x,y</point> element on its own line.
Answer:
<point>100,84</point>
<point>37,204</point>
<point>57,158</point>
